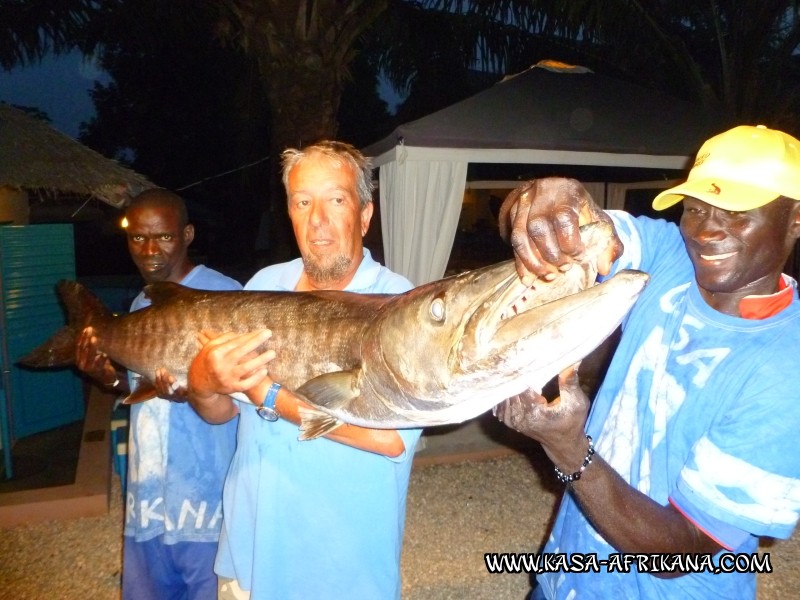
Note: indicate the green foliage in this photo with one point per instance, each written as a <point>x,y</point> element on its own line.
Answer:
<point>181,108</point>
<point>202,87</point>
<point>29,29</point>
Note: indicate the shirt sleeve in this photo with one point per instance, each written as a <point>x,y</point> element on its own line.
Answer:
<point>727,536</point>
<point>651,245</point>
<point>743,474</point>
<point>410,438</point>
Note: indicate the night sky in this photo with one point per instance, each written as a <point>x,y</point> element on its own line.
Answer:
<point>59,86</point>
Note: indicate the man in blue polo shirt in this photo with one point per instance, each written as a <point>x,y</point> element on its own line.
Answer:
<point>321,518</point>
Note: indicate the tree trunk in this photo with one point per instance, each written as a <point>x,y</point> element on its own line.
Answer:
<point>302,48</point>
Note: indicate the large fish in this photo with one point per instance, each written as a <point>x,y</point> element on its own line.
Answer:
<point>441,353</point>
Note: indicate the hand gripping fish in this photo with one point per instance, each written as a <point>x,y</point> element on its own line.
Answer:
<point>443,352</point>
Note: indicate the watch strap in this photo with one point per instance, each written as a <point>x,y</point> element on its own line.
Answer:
<point>267,409</point>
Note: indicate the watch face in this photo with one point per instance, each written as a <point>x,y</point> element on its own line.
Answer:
<point>266,413</point>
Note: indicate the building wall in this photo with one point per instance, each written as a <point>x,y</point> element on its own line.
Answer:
<point>14,208</point>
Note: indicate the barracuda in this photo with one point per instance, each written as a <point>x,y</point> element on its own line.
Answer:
<point>440,353</point>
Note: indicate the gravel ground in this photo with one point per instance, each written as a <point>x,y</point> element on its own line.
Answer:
<point>456,513</point>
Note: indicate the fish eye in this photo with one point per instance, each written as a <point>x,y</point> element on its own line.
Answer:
<point>437,309</point>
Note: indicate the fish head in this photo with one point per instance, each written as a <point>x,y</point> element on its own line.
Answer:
<point>481,332</point>
<point>423,333</point>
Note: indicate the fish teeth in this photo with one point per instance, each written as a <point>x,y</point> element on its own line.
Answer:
<point>517,306</point>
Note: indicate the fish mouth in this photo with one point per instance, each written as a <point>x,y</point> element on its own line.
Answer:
<point>511,298</point>
<point>549,331</point>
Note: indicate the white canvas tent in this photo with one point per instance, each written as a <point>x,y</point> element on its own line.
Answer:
<point>549,114</point>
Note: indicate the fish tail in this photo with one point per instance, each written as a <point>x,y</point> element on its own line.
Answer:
<point>83,309</point>
<point>315,423</point>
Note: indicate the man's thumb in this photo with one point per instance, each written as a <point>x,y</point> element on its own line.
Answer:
<point>568,381</point>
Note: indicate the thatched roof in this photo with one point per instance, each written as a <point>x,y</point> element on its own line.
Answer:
<point>35,156</point>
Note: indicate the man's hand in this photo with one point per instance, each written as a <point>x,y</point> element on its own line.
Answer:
<point>95,364</point>
<point>541,220</point>
<point>167,387</point>
<point>229,363</point>
<point>557,425</point>
<point>226,363</point>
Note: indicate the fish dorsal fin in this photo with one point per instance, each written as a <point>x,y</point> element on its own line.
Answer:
<point>162,291</point>
<point>144,391</point>
<point>331,391</point>
<point>83,307</point>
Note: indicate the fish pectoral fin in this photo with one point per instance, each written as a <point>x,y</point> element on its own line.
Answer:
<point>315,423</point>
<point>144,391</point>
<point>332,391</point>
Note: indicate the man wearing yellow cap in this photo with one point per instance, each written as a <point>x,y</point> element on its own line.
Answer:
<point>688,454</point>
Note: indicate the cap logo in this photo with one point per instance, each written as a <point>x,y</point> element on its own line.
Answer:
<point>701,158</point>
<point>714,189</point>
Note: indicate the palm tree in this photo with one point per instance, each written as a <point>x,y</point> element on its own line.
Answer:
<point>738,55</point>
<point>302,49</point>
<point>31,29</point>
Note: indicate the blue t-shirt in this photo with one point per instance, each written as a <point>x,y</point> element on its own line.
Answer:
<point>698,408</point>
<point>314,519</point>
<point>176,461</point>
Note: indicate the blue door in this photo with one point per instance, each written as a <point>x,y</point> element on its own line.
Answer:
<point>33,258</point>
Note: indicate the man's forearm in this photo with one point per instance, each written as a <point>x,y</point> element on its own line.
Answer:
<point>214,408</point>
<point>386,442</point>
<point>631,521</point>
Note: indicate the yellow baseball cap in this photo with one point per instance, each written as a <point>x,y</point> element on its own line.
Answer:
<point>741,169</point>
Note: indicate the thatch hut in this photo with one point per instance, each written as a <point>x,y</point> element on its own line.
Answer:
<point>36,158</point>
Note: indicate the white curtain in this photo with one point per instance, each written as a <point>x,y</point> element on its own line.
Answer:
<point>617,192</point>
<point>616,196</point>
<point>420,206</point>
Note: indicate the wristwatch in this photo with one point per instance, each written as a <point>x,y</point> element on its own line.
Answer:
<point>267,409</point>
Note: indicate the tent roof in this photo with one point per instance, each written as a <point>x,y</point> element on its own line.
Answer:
<point>33,155</point>
<point>553,113</point>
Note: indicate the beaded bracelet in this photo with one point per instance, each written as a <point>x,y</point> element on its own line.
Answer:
<point>564,478</point>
